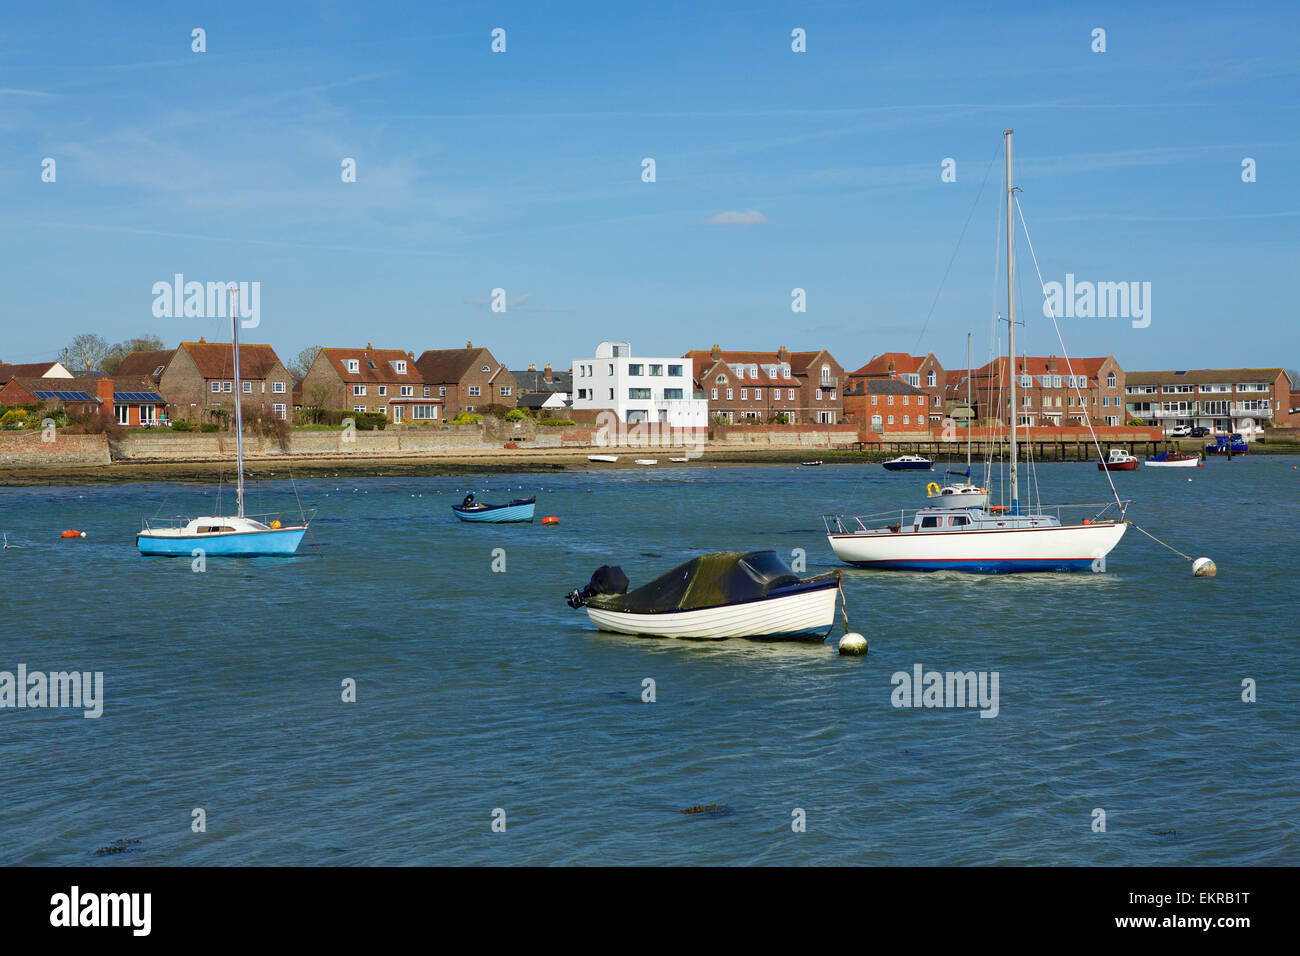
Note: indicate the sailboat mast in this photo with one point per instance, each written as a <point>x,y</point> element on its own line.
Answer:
<point>970,409</point>
<point>239,409</point>
<point>1011,326</point>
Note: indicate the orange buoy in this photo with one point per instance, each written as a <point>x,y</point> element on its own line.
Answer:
<point>550,519</point>
<point>998,509</point>
<point>74,534</point>
<point>1087,521</point>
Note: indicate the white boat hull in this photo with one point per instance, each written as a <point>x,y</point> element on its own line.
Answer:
<point>1185,463</point>
<point>1004,550</point>
<point>807,615</point>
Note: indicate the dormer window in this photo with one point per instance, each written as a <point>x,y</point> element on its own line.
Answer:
<point>399,368</point>
<point>354,365</point>
<point>785,369</point>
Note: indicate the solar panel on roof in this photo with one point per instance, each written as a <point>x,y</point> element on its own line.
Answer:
<point>139,397</point>
<point>67,396</point>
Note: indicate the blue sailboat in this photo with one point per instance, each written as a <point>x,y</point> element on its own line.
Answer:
<point>521,509</point>
<point>237,535</point>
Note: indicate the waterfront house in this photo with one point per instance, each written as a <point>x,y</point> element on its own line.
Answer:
<point>923,372</point>
<point>197,379</point>
<point>637,388</point>
<point>1225,400</point>
<point>1051,391</point>
<point>9,371</point>
<point>554,402</point>
<point>531,380</point>
<point>386,381</point>
<point>776,386</point>
<point>889,407</point>
<point>128,401</point>
<point>466,379</point>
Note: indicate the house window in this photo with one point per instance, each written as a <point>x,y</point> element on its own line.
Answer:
<point>790,394</point>
<point>819,394</point>
<point>216,386</point>
<point>248,387</point>
<point>383,389</point>
<point>485,369</point>
<point>505,391</point>
<point>875,399</point>
<point>442,391</point>
<point>354,365</point>
<point>907,419</point>
<point>424,413</point>
<point>929,378</point>
<point>1110,380</point>
<point>475,391</point>
<point>891,401</point>
<point>638,394</point>
<point>714,394</point>
<point>744,394</point>
<point>358,408</point>
<point>428,391</point>
<point>891,419</point>
<point>636,369</point>
<point>409,390</point>
<point>277,388</point>
<point>358,390</point>
<point>758,394</point>
<point>227,386</point>
<point>158,371</point>
<point>672,394</point>
<point>281,412</point>
<point>656,369</point>
<point>730,394</point>
<point>122,414</point>
<point>399,368</point>
<point>675,371</point>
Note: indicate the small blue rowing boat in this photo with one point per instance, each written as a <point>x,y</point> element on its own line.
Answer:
<point>521,509</point>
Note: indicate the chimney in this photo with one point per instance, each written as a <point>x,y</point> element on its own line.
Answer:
<point>104,389</point>
<point>892,366</point>
<point>202,340</point>
<point>369,347</point>
<point>716,352</point>
<point>532,367</point>
<point>469,345</point>
<point>1051,364</point>
<point>783,354</point>
<point>546,373</point>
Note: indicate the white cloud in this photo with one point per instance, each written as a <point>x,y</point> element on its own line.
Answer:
<point>735,217</point>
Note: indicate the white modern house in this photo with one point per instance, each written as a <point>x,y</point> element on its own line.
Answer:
<point>638,388</point>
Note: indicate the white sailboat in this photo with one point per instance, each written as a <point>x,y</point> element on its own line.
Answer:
<point>237,535</point>
<point>1000,539</point>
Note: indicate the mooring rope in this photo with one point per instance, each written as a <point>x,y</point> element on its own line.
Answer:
<point>844,610</point>
<point>1159,542</point>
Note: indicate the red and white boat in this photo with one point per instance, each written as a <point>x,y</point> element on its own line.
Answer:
<point>1118,460</point>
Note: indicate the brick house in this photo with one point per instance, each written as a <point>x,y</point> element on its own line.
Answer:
<point>1046,391</point>
<point>546,381</point>
<point>801,387</point>
<point>888,406</point>
<point>197,379</point>
<point>128,401</point>
<point>33,370</point>
<point>370,380</point>
<point>1224,400</point>
<point>920,371</point>
<point>466,379</point>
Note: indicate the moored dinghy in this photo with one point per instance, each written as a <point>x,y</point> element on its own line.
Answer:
<point>521,509</point>
<point>716,595</point>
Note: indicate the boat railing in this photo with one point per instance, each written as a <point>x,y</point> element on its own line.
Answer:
<point>852,524</point>
<point>266,517</point>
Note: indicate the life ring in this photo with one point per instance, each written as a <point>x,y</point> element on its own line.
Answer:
<point>932,489</point>
<point>998,509</point>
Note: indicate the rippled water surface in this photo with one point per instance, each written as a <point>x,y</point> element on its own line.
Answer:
<point>481,690</point>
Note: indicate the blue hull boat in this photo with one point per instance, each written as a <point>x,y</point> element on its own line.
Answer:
<point>521,509</point>
<point>908,463</point>
<point>240,544</point>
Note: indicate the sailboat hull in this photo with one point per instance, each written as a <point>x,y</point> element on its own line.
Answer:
<point>1003,551</point>
<point>280,542</point>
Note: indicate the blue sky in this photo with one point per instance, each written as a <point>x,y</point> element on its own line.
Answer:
<point>522,171</point>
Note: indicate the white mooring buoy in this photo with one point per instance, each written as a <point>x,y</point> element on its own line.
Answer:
<point>853,644</point>
<point>1204,568</point>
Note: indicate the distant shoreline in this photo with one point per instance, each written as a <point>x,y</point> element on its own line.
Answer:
<point>540,461</point>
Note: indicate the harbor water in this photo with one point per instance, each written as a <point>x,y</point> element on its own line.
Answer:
<point>480,697</point>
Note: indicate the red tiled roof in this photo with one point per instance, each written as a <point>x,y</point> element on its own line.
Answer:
<point>25,370</point>
<point>903,364</point>
<point>383,370</point>
<point>702,360</point>
<point>145,363</point>
<point>216,360</point>
<point>1038,365</point>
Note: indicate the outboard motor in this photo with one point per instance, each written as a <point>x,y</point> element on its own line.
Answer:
<point>606,580</point>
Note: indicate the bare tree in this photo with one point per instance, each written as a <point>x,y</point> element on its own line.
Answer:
<point>299,367</point>
<point>141,343</point>
<point>87,351</point>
